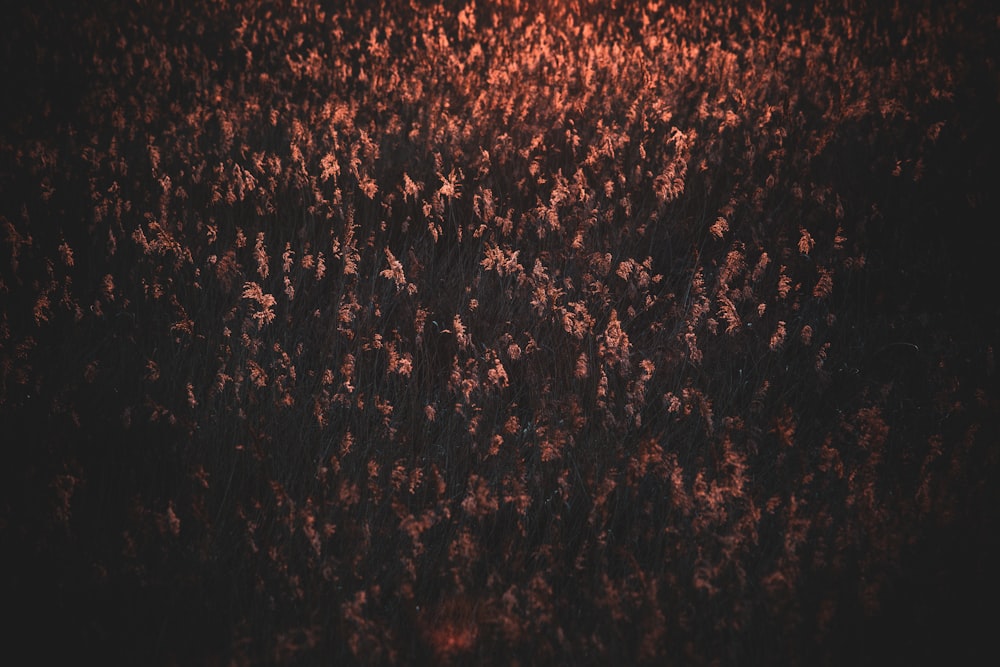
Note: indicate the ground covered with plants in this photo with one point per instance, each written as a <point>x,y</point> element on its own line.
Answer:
<point>499,333</point>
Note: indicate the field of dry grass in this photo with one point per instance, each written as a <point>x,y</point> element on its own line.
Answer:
<point>445,333</point>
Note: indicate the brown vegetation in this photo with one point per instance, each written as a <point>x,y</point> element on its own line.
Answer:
<point>405,332</point>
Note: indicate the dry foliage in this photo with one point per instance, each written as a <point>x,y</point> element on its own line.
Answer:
<point>386,333</point>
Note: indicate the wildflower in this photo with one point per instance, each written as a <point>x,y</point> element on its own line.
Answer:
<point>67,254</point>
<point>42,309</point>
<point>498,374</point>
<point>108,287</point>
<point>368,186</point>
<point>463,338</point>
<point>258,376</point>
<point>265,302</point>
<point>719,227</point>
<point>727,309</point>
<point>411,189</point>
<point>784,284</point>
<point>330,168</point>
<point>735,264</point>
<point>806,241</point>
<point>260,254</point>
<point>615,344</point>
<point>824,286</point>
<point>778,339</point>
<point>694,352</point>
<point>450,184</point>
<point>760,267</point>
<point>395,270</point>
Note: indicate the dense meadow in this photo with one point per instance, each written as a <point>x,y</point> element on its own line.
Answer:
<point>500,333</point>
